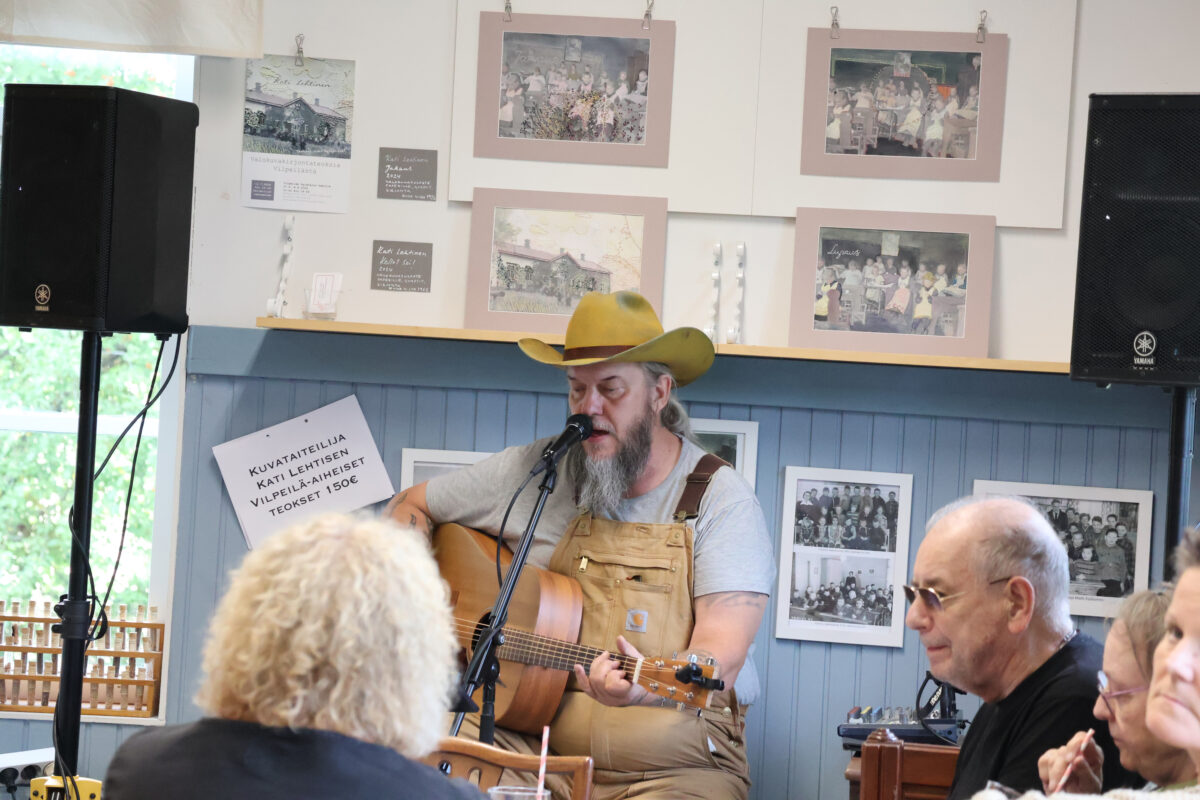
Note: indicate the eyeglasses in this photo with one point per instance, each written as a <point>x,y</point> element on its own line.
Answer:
<point>935,599</point>
<point>1107,696</point>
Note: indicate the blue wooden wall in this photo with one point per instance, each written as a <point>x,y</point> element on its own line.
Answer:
<point>945,427</point>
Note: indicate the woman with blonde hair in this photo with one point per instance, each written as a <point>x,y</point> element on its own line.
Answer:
<point>329,666</point>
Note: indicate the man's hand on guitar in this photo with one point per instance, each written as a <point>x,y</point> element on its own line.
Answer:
<point>606,681</point>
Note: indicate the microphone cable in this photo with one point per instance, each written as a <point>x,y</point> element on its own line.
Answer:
<point>504,523</point>
<point>925,710</point>
<point>98,616</point>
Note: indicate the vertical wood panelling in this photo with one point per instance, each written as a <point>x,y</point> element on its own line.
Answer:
<point>430,432</point>
<point>460,416</point>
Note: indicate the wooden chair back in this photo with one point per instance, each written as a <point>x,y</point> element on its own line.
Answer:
<point>896,770</point>
<point>482,764</point>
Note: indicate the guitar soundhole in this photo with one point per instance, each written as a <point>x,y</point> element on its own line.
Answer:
<point>480,626</point>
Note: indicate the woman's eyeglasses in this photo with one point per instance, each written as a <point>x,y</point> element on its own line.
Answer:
<point>1107,696</point>
<point>935,599</point>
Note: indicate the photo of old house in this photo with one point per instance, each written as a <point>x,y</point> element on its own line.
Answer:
<point>298,113</point>
<point>540,259</point>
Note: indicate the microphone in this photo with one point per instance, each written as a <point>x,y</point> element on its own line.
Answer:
<point>579,427</point>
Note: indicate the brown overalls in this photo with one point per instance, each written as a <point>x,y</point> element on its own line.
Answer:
<point>637,582</point>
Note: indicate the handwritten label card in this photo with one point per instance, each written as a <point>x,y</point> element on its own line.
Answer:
<point>401,266</point>
<point>325,460</point>
<point>407,174</point>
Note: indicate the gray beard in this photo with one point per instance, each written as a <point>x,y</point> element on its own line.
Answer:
<point>603,483</point>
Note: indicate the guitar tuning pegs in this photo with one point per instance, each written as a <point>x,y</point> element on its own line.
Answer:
<point>693,658</point>
<point>653,687</point>
<point>710,661</point>
<point>690,696</point>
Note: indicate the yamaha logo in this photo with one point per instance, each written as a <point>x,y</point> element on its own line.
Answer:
<point>1144,345</point>
<point>41,297</point>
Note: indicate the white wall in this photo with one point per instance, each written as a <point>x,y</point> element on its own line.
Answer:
<point>405,52</point>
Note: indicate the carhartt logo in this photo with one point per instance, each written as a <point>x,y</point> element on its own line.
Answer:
<point>635,620</point>
<point>1144,345</point>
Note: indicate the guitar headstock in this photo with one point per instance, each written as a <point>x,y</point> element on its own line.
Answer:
<point>688,681</point>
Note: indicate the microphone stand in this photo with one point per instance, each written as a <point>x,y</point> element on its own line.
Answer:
<point>484,667</point>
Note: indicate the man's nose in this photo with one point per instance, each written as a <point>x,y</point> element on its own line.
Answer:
<point>590,403</point>
<point>916,617</point>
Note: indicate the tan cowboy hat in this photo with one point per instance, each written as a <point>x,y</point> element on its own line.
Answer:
<point>623,327</point>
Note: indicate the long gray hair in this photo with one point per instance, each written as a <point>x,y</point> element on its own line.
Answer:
<point>674,416</point>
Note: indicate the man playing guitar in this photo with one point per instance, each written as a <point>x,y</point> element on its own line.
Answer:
<point>668,544</point>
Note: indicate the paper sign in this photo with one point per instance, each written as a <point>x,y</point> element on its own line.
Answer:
<point>407,174</point>
<point>401,266</point>
<point>325,460</point>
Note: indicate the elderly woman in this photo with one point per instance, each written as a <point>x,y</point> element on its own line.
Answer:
<point>329,666</point>
<point>1172,704</point>
<point>1128,659</point>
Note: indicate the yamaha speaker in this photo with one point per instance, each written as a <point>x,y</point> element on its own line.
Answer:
<point>1137,293</point>
<point>95,209</point>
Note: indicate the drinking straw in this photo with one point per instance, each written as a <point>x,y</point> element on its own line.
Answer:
<point>542,766</point>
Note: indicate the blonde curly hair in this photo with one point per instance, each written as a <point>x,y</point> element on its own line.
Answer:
<point>340,624</point>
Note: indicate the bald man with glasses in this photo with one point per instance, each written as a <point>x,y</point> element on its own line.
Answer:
<point>989,599</point>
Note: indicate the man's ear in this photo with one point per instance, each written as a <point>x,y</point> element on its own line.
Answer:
<point>662,392</point>
<point>1020,597</point>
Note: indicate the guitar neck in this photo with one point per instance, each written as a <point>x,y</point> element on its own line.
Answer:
<point>540,651</point>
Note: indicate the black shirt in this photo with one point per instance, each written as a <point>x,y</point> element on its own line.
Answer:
<point>233,760</point>
<point>1007,737</point>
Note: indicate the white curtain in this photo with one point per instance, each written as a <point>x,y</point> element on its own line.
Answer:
<point>230,28</point>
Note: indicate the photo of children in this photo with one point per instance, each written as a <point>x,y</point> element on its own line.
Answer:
<point>877,281</point>
<point>903,103</point>
<point>1105,533</point>
<point>845,534</point>
<point>574,88</point>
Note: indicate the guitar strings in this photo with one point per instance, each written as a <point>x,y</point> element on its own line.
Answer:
<point>531,644</point>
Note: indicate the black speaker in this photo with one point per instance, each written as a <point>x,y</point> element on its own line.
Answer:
<point>1137,290</point>
<point>95,209</point>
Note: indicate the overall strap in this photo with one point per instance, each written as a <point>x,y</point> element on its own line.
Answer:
<point>696,486</point>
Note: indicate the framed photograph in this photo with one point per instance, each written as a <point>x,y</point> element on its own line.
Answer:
<point>844,555</point>
<point>736,441</point>
<point>533,255</point>
<point>904,104</point>
<point>583,89</point>
<point>891,282</point>
<point>418,466</point>
<point>1106,533</point>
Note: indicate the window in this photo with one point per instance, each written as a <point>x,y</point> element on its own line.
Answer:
<point>39,400</point>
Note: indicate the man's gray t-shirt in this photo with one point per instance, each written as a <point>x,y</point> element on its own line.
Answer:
<point>732,550</point>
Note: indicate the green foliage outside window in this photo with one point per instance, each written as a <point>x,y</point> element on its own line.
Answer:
<point>39,371</point>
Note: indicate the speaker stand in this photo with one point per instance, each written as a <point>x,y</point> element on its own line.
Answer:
<point>74,609</point>
<point>1179,475</point>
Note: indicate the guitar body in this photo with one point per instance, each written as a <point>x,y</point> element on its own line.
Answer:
<point>544,603</point>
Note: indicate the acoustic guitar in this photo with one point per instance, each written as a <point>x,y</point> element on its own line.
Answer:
<point>541,638</point>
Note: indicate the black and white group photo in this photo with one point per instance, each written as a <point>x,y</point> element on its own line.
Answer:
<point>1105,533</point>
<point>903,103</point>
<point>843,589</point>
<point>885,281</point>
<point>574,88</point>
<point>847,516</point>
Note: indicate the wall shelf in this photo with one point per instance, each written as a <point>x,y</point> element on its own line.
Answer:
<point>754,351</point>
